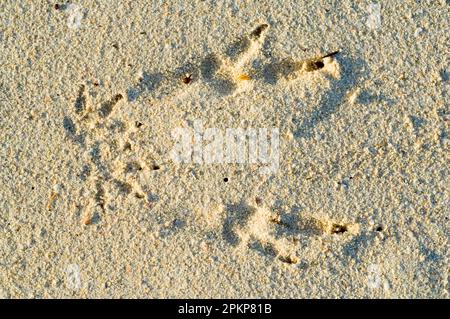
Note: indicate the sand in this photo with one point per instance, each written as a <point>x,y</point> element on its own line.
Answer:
<point>353,201</point>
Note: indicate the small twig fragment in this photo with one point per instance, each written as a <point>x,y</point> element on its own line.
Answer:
<point>243,77</point>
<point>330,54</point>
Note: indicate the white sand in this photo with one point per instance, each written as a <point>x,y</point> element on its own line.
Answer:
<point>90,94</point>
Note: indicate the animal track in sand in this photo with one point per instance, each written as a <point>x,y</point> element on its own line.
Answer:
<point>230,72</point>
<point>274,236</point>
<point>225,74</point>
<point>111,168</point>
<point>111,165</point>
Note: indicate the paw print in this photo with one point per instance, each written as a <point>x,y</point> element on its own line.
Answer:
<point>111,169</point>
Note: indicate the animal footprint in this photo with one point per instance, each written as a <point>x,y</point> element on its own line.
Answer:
<point>111,169</point>
<point>111,165</point>
<point>253,227</point>
<point>223,73</point>
<point>229,72</point>
<point>233,71</point>
<point>274,236</point>
<point>290,69</point>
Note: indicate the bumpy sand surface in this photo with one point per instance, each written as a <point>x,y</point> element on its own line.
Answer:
<point>93,204</point>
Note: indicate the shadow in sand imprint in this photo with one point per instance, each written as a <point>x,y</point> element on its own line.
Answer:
<point>353,70</point>
<point>272,72</point>
<point>71,132</point>
<point>147,83</point>
<point>293,225</point>
<point>101,168</point>
<point>237,215</point>
<point>264,249</point>
<point>209,70</point>
<point>237,48</point>
<point>354,249</point>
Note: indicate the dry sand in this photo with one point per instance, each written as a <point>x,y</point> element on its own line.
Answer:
<point>93,205</point>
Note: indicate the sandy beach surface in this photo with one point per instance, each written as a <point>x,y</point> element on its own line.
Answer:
<point>111,185</point>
